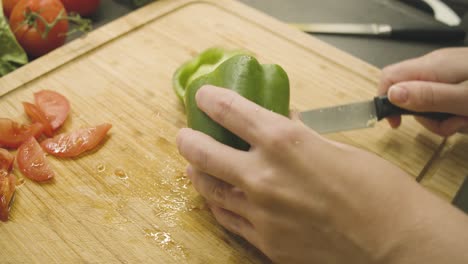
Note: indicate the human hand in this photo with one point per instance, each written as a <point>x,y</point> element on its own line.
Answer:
<point>298,197</point>
<point>436,82</point>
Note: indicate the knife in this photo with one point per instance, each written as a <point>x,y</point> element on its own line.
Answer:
<point>359,115</point>
<point>420,33</point>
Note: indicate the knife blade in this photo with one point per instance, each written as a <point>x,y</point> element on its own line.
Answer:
<point>420,33</point>
<point>358,115</point>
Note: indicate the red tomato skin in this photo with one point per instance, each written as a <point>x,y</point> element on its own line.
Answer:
<point>69,145</point>
<point>13,134</point>
<point>82,7</point>
<point>32,161</point>
<point>37,115</point>
<point>8,6</point>
<point>54,106</point>
<point>7,189</point>
<point>28,36</point>
<point>6,162</point>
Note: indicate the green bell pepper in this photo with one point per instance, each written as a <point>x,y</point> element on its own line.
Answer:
<point>264,84</point>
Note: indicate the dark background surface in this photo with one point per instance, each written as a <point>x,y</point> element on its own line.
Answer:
<point>379,52</point>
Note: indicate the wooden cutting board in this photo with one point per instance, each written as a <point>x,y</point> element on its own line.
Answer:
<point>130,201</point>
<point>449,167</point>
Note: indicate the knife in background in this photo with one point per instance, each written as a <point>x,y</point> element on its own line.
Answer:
<point>420,33</point>
<point>358,115</point>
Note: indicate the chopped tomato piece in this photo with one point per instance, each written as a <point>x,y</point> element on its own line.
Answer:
<point>37,115</point>
<point>6,162</point>
<point>7,189</point>
<point>54,106</point>
<point>72,144</point>
<point>32,161</point>
<point>13,134</point>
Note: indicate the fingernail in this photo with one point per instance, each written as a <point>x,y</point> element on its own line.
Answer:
<point>398,94</point>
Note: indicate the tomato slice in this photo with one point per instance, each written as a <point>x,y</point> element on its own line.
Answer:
<point>37,115</point>
<point>6,162</point>
<point>32,161</point>
<point>54,106</point>
<point>72,144</point>
<point>13,134</point>
<point>7,189</point>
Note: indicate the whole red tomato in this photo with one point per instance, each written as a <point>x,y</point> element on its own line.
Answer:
<point>8,6</point>
<point>82,7</point>
<point>36,37</point>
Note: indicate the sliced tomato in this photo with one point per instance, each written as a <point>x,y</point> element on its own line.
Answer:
<point>13,134</point>
<point>7,189</point>
<point>54,106</point>
<point>72,144</point>
<point>32,161</point>
<point>37,115</point>
<point>6,162</point>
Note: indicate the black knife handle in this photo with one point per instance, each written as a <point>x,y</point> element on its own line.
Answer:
<point>384,108</point>
<point>434,34</point>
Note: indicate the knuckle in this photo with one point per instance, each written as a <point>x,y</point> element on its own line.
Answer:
<point>387,74</point>
<point>199,158</point>
<point>390,74</point>
<point>438,56</point>
<point>284,137</point>
<point>426,97</point>
<point>262,186</point>
<point>237,226</point>
<point>181,142</point>
<point>231,222</point>
<point>464,89</point>
<point>223,107</point>
<point>388,71</point>
<point>384,84</point>
<point>219,192</point>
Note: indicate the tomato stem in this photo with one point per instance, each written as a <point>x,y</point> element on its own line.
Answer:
<point>82,24</point>
<point>31,18</point>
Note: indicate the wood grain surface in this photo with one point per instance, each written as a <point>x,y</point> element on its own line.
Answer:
<point>130,201</point>
<point>449,168</point>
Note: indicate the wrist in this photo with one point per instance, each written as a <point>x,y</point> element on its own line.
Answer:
<point>427,230</point>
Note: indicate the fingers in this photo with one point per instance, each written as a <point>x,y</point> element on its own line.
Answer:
<point>236,224</point>
<point>212,157</point>
<point>430,97</point>
<point>219,193</point>
<point>445,65</point>
<point>237,114</point>
<point>394,121</point>
<point>295,115</point>
<point>412,69</point>
<point>441,66</point>
<point>445,128</point>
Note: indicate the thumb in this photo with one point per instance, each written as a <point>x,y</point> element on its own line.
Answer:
<point>430,97</point>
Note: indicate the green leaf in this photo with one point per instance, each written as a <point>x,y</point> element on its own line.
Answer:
<point>12,56</point>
